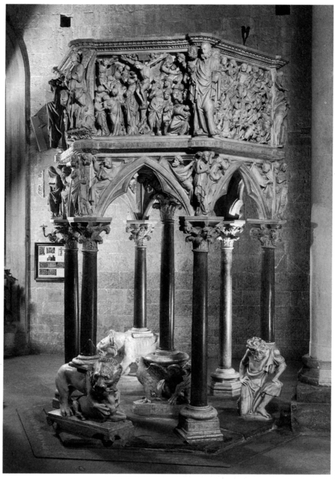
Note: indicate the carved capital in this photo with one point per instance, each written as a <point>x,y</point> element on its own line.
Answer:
<point>228,231</point>
<point>69,235</point>
<point>140,230</point>
<point>267,233</point>
<point>201,232</point>
<point>167,206</point>
<point>89,234</point>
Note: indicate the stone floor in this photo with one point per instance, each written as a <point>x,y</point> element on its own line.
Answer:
<point>30,444</point>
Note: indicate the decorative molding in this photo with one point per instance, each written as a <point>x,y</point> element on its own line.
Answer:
<point>140,230</point>
<point>268,233</point>
<point>228,231</point>
<point>200,231</point>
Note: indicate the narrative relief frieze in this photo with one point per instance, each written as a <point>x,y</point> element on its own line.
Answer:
<point>197,90</point>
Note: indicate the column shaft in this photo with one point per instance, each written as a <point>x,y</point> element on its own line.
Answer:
<point>140,287</point>
<point>167,287</point>
<point>268,295</point>
<point>226,300</point>
<point>199,329</point>
<point>71,302</point>
<point>88,333</point>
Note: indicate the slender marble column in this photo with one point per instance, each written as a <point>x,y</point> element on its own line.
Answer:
<point>140,230</point>
<point>225,380</point>
<point>198,421</point>
<point>267,231</point>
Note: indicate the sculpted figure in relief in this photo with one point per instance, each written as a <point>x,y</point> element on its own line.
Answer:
<point>259,363</point>
<point>204,72</point>
<point>184,174</point>
<point>280,110</point>
<point>103,175</point>
<point>55,194</point>
<point>281,188</point>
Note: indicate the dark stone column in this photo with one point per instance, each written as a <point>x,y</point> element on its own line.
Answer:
<point>140,230</point>
<point>198,421</point>
<point>267,231</point>
<point>89,236</point>
<point>89,296</point>
<point>167,283</point>
<point>225,380</point>
<point>166,353</point>
<point>71,300</point>
<point>71,289</point>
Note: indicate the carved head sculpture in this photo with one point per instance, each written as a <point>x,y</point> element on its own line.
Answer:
<point>258,348</point>
<point>105,376</point>
<point>206,49</point>
<point>192,52</point>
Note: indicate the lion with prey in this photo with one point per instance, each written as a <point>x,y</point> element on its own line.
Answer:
<point>100,400</point>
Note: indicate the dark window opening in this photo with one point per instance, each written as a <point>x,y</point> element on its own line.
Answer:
<point>282,9</point>
<point>65,21</point>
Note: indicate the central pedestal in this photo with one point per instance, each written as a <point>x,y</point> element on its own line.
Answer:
<point>199,424</point>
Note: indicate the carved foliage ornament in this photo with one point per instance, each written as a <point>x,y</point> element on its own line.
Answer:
<point>196,89</point>
<point>267,234</point>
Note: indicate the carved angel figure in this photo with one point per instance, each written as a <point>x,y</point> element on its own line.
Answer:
<point>171,383</point>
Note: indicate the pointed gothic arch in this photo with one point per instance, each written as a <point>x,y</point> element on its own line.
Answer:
<point>120,184</point>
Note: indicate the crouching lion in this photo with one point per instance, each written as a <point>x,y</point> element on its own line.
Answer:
<point>100,400</point>
<point>126,348</point>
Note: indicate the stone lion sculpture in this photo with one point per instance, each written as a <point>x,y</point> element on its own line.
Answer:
<point>100,397</point>
<point>126,348</point>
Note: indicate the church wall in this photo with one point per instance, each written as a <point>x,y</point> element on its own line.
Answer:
<point>285,35</point>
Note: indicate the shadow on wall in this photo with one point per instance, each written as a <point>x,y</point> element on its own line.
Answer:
<point>14,334</point>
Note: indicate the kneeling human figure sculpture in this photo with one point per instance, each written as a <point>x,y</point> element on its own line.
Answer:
<point>101,398</point>
<point>260,360</point>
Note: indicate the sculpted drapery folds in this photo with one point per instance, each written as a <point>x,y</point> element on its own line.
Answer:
<point>198,89</point>
<point>200,100</point>
<point>260,369</point>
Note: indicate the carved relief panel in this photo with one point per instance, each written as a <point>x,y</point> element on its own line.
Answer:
<point>174,116</point>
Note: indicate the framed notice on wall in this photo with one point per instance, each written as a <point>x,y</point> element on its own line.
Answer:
<point>49,262</point>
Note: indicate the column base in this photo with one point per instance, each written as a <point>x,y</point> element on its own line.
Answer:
<point>167,357</point>
<point>315,372</point>
<point>141,333</point>
<point>84,363</point>
<point>225,383</point>
<point>146,407</point>
<point>311,409</point>
<point>199,424</point>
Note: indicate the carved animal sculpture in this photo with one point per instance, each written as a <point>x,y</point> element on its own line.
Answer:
<point>126,348</point>
<point>100,400</point>
<point>171,383</point>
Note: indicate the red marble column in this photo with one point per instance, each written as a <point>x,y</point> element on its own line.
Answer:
<point>198,421</point>
<point>140,231</point>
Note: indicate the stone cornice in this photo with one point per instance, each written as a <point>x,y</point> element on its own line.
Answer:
<point>178,43</point>
<point>185,144</point>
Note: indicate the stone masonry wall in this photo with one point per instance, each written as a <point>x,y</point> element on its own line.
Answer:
<point>285,35</point>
